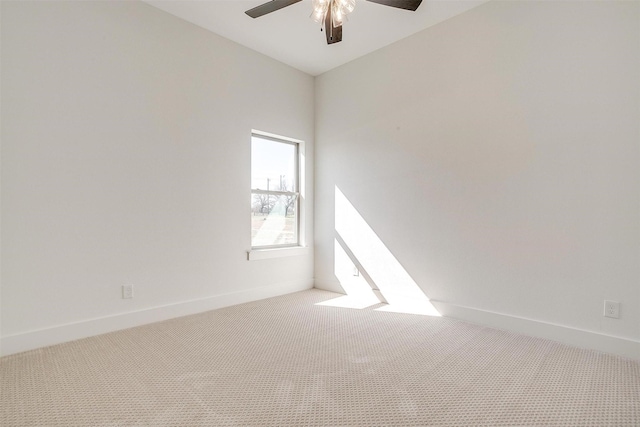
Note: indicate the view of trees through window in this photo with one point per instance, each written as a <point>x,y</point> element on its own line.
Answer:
<point>274,192</point>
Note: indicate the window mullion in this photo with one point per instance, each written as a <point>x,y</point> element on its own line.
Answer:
<point>275,192</point>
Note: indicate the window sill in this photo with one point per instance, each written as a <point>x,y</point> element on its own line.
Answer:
<point>255,254</point>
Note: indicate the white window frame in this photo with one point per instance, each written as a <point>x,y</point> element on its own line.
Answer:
<point>297,248</point>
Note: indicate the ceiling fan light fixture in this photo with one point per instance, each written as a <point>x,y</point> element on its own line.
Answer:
<point>320,4</point>
<point>320,8</point>
<point>346,6</point>
<point>337,17</point>
<point>330,14</point>
<point>339,10</point>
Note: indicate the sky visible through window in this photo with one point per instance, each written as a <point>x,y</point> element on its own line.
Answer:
<point>272,165</point>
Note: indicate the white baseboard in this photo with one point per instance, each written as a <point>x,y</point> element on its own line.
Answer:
<point>72,331</point>
<point>63,333</point>
<point>576,337</point>
<point>624,347</point>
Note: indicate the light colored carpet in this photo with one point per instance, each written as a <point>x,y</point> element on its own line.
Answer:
<point>287,362</point>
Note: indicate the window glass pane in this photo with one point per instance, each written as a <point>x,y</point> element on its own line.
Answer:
<point>273,165</point>
<point>274,220</point>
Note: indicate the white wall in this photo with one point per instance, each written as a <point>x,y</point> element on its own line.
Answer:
<point>497,156</point>
<point>125,160</point>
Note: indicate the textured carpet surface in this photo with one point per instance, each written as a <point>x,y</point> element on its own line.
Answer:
<point>286,361</point>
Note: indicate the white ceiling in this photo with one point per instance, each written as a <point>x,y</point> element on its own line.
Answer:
<point>290,36</point>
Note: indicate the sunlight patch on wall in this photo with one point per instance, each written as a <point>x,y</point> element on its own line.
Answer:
<point>381,271</point>
<point>358,292</point>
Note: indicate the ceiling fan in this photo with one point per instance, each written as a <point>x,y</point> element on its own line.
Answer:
<point>330,14</point>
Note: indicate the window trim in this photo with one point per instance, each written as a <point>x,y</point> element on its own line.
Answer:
<point>256,254</point>
<point>272,251</point>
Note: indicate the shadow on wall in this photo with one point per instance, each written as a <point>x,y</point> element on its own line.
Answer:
<point>368,271</point>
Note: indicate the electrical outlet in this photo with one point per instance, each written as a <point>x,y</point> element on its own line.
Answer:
<point>127,291</point>
<point>612,309</point>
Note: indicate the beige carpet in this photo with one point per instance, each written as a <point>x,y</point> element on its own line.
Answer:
<point>288,362</point>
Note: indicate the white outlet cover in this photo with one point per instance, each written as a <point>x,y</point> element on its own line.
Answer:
<point>612,309</point>
<point>127,291</point>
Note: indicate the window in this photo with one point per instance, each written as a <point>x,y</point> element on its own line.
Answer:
<point>275,210</point>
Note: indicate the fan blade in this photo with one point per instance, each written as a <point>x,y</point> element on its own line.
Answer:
<point>400,4</point>
<point>269,7</point>
<point>334,34</point>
